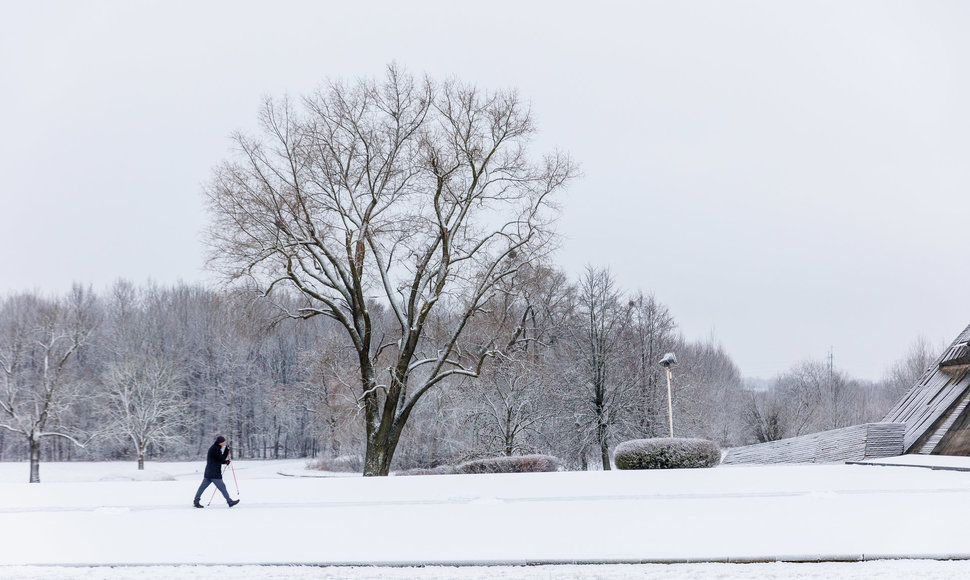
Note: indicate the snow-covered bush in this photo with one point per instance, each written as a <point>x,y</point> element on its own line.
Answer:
<point>440,470</point>
<point>515,464</point>
<point>343,463</point>
<point>666,453</point>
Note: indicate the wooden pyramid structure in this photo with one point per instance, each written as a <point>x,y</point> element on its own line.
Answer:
<point>936,410</point>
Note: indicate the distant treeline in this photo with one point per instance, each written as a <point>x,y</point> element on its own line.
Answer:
<point>97,376</point>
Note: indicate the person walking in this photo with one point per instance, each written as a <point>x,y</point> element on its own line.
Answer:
<point>217,456</point>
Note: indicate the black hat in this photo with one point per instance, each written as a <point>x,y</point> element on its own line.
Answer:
<point>220,439</point>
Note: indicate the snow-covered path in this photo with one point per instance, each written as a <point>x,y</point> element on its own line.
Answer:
<point>82,515</point>
<point>882,570</point>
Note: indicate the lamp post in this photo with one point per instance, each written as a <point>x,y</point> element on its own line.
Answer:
<point>668,361</point>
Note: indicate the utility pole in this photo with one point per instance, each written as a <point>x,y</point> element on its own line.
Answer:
<point>831,366</point>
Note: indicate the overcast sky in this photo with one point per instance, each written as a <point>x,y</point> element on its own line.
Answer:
<point>789,177</point>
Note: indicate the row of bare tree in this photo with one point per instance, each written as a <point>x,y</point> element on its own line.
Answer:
<point>157,372</point>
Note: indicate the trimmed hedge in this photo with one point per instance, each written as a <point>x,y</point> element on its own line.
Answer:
<point>515,464</point>
<point>666,453</point>
<point>344,463</point>
<point>440,470</point>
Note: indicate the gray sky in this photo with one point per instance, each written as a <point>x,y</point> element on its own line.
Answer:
<point>788,177</point>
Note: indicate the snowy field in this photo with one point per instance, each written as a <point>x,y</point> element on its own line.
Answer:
<point>107,520</point>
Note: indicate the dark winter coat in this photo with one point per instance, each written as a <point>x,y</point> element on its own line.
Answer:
<point>214,460</point>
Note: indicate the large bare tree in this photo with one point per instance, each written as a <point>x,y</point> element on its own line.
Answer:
<point>401,197</point>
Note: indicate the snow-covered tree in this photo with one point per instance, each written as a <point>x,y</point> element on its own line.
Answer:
<point>144,403</point>
<point>708,398</point>
<point>509,412</point>
<point>603,377</point>
<point>652,334</point>
<point>401,196</point>
<point>40,340</point>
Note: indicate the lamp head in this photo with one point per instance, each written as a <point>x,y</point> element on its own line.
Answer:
<point>668,360</point>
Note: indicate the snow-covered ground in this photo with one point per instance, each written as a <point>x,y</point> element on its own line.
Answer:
<point>881,570</point>
<point>107,520</point>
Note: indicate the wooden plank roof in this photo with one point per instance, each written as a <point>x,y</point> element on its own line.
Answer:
<point>935,402</point>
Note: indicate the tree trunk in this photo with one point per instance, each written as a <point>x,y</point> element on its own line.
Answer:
<point>379,425</point>
<point>276,443</point>
<point>433,460</point>
<point>377,460</point>
<point>380,452</point>
<point>604,448</point>
<point>601,426</point>
<point>334,444</point>
<point>509,434</point>
<point>141,461</point>
<point>34,461</point>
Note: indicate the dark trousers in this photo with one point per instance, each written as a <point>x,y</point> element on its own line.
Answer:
<point>219,485</point>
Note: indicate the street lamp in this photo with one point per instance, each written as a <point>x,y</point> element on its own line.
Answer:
<point>669,360</point>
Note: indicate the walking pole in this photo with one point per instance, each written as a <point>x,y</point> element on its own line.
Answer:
<point>236,481</point>
<point>668,361</point>
<point>231,466</point>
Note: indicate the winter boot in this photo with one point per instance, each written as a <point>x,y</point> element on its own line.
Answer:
<point>233,502</point>
<point>197,504</point>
